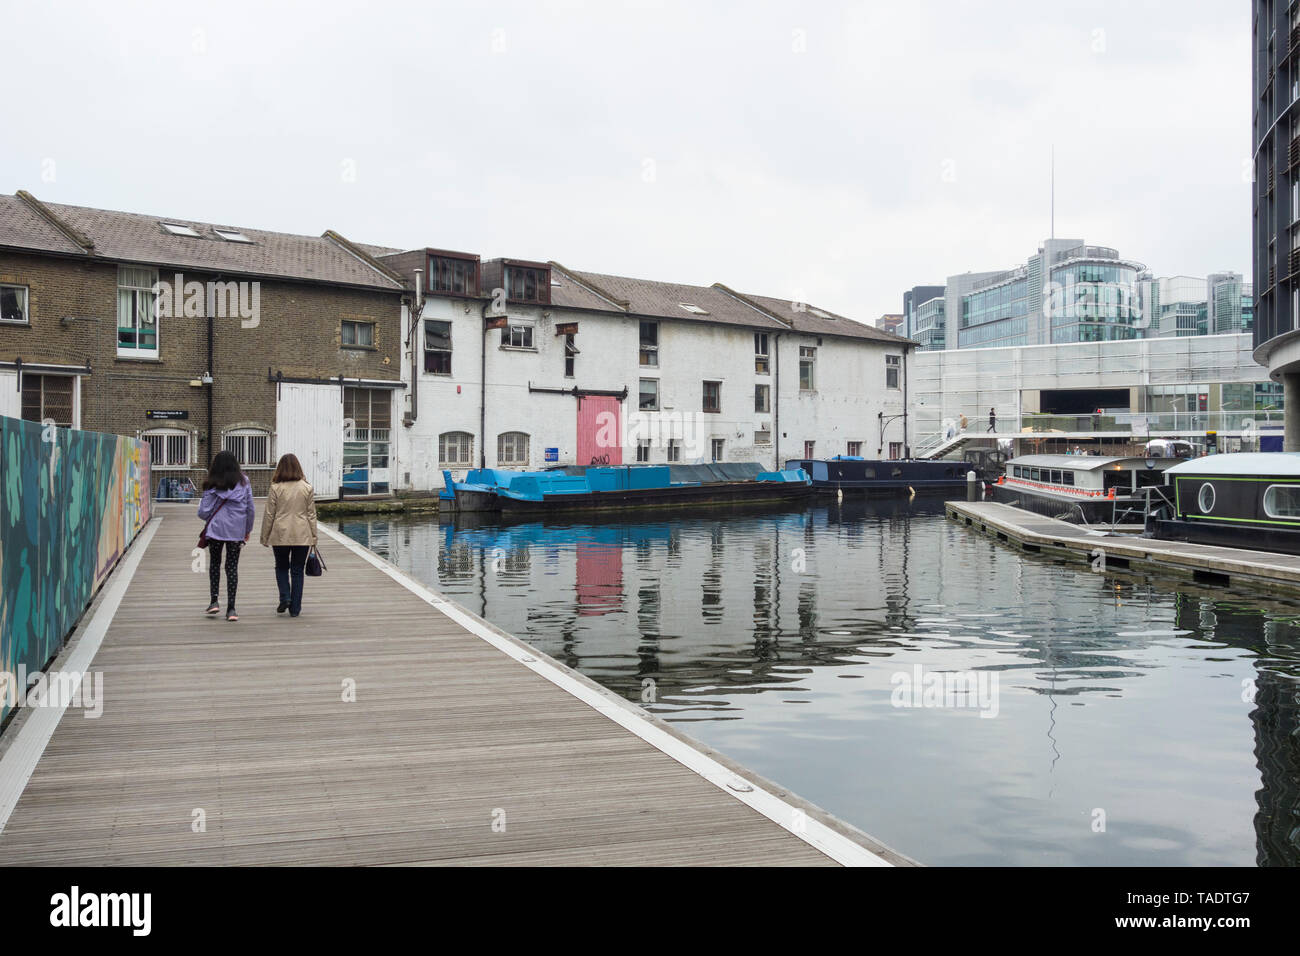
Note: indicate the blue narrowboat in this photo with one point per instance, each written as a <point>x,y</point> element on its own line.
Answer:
<point>584,488</point>
<point>882,477</point>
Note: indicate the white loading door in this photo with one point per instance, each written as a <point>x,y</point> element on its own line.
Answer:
<point>11,400</point>
<point>309,424</point>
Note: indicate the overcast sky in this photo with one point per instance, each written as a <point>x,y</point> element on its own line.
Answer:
<point>830,152</point>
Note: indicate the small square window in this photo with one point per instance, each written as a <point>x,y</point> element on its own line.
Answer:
<point>13,304</point>
<point>518,337</point>
<point>358,334</point>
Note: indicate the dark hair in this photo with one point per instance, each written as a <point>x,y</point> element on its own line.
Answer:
<point>289,468</point>
<point>224,473</point>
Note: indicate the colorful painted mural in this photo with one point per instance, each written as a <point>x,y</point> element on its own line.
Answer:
<point>70,503</point>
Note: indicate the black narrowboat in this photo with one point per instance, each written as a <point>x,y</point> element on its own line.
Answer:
<point>1239,500</point>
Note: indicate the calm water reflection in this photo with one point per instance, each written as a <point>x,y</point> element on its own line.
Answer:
<point>1137,722</point>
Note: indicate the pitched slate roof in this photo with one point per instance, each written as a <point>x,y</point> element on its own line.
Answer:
<point>659,299</point>
<point>803,317</point>
<point>25,223</point>
<point>593,290</point>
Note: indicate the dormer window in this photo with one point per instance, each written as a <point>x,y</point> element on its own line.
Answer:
<point>180,229</point>
<point>528,284</point>
<point>453,275</point>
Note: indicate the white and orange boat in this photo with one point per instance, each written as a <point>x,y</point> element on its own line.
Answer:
<point>1085,489</point>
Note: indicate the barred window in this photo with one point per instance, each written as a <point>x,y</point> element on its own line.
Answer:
<point>455,449</point>
<point>512,448</point>
<point>252,446</point>
<point>168,448</point>
<point>48,397</point>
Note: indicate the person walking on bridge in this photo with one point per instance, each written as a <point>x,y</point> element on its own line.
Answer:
<point>289,529</point>
<point>227,506</point>
<point>993,420</point>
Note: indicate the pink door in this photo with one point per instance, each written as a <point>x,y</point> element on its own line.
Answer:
<point>600,440</point>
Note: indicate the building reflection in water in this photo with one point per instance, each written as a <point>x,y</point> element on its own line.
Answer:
<point>715,608</point>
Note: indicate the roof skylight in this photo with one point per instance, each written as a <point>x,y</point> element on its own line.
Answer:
<point>695,309</point>
<point>232,235</point>
<point>180,229</point>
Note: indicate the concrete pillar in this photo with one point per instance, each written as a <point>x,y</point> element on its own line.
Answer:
<point>1291,410</point>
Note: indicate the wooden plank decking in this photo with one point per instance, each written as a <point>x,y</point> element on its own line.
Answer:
<point>247,722</point>
<point>1267,569</point>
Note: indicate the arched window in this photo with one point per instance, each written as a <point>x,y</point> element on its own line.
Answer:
<point>512,448</point>
<point>169,448</point>
<point>455,449</point>
<point>251,445</point>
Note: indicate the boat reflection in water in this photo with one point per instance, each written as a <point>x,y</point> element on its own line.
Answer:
<point>779,638</point>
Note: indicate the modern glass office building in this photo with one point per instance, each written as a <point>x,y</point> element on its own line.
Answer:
<point>929,323</point>
<point>1068,291</point>
<point>1229,303</point>
<point>1276,220</point>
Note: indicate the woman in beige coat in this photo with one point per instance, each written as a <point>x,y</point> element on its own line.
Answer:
<point>289,529</point>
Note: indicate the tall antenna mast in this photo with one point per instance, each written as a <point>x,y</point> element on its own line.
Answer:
<point>1052,176</point>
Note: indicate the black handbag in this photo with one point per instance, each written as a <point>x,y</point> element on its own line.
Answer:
<point>315,565</point>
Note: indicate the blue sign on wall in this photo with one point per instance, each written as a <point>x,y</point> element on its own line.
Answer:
<point>552,454</point>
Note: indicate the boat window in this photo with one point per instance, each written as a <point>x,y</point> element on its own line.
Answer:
<point>1067,477</point>
<point>869,472</point>
<point>896,473</point>
<point>1015,471</point>
<point>1282,501</point>
<point>1033,474</point>
<point>1205,498</point>
<point>1056,476</point>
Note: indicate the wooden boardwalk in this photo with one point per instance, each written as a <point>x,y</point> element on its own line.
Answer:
<point>454,751</point>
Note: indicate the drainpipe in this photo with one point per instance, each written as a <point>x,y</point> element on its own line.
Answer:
<point>412,340</point>
<point>482,393</point>
<point>907,446</point>
<point>776,399</point>
<point>211,383</point>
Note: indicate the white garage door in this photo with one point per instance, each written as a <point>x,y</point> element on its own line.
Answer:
<point>11,400</point>
<point>309,423</point>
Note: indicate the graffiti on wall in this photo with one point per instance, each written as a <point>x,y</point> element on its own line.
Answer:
<point>70,503</point>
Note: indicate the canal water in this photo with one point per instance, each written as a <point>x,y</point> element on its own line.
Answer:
<point>960,701</point>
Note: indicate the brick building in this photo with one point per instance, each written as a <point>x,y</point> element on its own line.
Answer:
<point>200,337</point>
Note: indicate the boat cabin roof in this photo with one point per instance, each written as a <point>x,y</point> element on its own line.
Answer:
<point>1087,462</point>
<point>1241,463</point>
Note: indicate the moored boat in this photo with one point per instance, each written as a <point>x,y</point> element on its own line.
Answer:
<point>1241,500</point>
<point>622,487</point>
<point>1081,488</point>
<point>882,477</point>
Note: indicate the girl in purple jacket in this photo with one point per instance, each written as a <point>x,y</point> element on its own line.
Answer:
<point>227,506</point>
